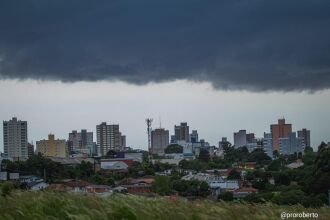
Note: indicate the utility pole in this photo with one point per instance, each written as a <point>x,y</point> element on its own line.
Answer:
<point>149,122</point>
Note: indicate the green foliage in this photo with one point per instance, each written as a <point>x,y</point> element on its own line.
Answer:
<point>259,156</point>
<point>161,185</point>
<point>7,188</point>
<point>173,149</point>
<point>226,196</point>
<point>320,180</point>
<point>191,188</point>
<point>204,155</point>
<point>234,175</point>
<point>49,205</point>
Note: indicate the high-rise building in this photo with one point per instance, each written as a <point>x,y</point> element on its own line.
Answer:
<point>108,138</point>
<point>240,138</point>
<point>280,130</point>
<point>194,136</point>
<point>181,132</point>
<point>306,135</point>
<point>268,144</point>
<point>224,144</point>
<point>30,150</point>
<point>291,144</point>
<point>15,140</point>
<point>159,140</point>
<point>52,147</point>
<point>123,141</point>
<point>80,142</point>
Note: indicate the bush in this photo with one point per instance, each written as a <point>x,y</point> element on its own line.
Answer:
<point>7,188</point>
<point>226,196</point>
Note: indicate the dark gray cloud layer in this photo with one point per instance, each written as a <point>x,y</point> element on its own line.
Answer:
<point>235,44</point>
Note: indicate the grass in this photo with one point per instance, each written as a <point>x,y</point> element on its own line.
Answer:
<point>51,205</point>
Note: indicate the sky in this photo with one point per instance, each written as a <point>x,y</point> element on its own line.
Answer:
<point>218,65</point>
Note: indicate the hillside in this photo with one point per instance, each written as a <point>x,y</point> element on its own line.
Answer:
<point>48,205</point>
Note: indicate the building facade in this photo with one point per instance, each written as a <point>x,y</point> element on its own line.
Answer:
<point>52,147</point>
<point>15,140</point>
<point>30,150</point>
<point>240,138</point>
<point>80,142</point>
<point>194,136</point>
<point>306,135</point>
<point>291,145</point>
<point>159,140</point>
<point>268,144</point>
<point>279,130</point>
<point>181,132</point>
<point>108,138</point>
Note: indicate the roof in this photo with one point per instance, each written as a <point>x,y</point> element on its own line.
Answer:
<point>294,165</point>
<point>71,161</point>
<point>98,186</point>
<point>77,183</point>
<point>246,189</point>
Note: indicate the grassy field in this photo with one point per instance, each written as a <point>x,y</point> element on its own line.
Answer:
<point>49,205</point>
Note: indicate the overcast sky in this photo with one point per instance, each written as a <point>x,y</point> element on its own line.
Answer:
<point>219,65</point>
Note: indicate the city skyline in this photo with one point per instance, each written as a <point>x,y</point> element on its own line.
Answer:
<point>210,127</point>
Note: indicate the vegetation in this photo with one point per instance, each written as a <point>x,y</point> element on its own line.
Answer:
<point>173,149</point>
<point>49,205</point>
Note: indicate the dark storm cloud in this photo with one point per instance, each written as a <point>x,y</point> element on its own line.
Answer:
<point>235,44</point>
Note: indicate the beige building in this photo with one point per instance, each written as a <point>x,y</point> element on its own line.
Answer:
<point>52,147</point>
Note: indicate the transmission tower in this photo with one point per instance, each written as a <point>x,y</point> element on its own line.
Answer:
<point>149,122</point>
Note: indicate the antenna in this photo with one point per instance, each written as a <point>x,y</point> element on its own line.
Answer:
<point>160,122</point>
<point>149,122</point>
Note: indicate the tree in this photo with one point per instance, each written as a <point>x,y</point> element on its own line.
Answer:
<point>173,149</point>
<point>320,180</point>
<point>282,178</point>
<point>204,155</point>
<point>234,175</point>
<point>161,185</point>
<point>226,196</point>
<point>259,156</point>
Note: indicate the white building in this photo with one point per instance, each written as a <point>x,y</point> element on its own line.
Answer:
<point>81,142</point>
<point>108,138</point>
<point>268,144</point>
<point>240,138</point>
<point>15,140</point>
<point>291,144</point>
<point>159,141</point>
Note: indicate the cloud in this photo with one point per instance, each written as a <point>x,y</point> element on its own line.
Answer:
<point>251,45</point>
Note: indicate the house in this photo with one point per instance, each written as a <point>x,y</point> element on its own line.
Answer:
<point>114,166</point>
<point>76,185</point>
<point>39,185</point>
<point>295,165</point>
<point>138,186</point>
<point>243,192</point>
<point>218,187</point>
<point>28,179</point>
<point>99,189</point>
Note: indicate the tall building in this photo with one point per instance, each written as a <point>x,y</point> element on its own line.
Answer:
<point>181,132</point>
<point>30,150</point>
<point>268,144</point>
<point>15,140</point>
<point>80,142</point>
<point>224,144</point>
<point>280,130</point>
<point>194,136</point>
<point>240,138</point>
<point>108,138</point>
<point>306,135</point>
<point>291,144</point>
<point>159,140</point>
<point>123,141</point>
<point>52,147</point>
